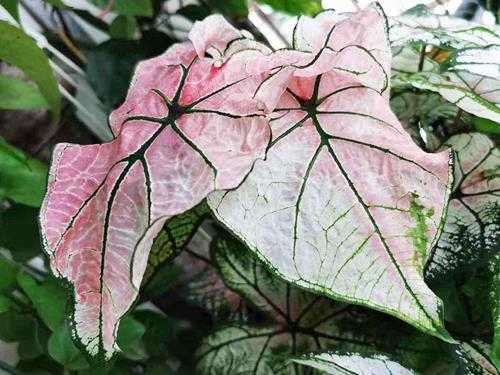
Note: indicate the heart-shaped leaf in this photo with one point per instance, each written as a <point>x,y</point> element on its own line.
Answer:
<point>345,204</point>
<point>470,235</point>
<point>297,322</point>
<point>186,129</point>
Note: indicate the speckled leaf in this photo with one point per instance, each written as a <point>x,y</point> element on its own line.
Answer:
<point>175,235</point>
<point>345,204</point>
<point>186,129</point>
<point>353,363</point>
<point>297,322</point>
<point>419,24</point>
<point>472,230</point>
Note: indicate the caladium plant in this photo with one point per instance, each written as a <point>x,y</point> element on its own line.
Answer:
<point>187,128</point>
<point>345,204</point>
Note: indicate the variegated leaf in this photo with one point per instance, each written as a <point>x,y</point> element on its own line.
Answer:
<point>186,128</point>
<point>483,61</point>
<point>173,238</point>
<point>353,363</point>
<point>475,94</point>
<point>419,24</point>
<point>297,322</point>
<point>345,204</point>
<point>472,230</point>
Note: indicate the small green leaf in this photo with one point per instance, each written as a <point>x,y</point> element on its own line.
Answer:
<point>48,298</point>
<point>22,178</point>
<point>123,27</point>
<point>16,327</point>
<point>62,349</point>
<point>5,304</point>
<point>129,338</point>
<point>18,94</point>
<point>128,7</point>
<point>19,232</point>
<point>17,48</point>
<point>295,7</point>
<point>8,272</point>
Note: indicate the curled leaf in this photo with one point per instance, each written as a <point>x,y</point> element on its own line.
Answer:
<point>186,129</point>
<point>345,204</point>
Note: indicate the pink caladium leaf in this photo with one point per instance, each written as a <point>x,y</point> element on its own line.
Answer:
<point>345,204</point>
<point>187,128</point>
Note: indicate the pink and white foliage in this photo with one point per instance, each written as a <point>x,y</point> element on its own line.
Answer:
<point>187,128</point>
<point>345,204</point>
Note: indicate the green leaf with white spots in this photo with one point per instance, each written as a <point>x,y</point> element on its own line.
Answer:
<point>495,303</point>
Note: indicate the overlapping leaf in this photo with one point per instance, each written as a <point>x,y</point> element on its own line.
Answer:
<point>471,233</point>
<point>186,128</point>
<point>419,24</point>
<point>297,322</point>
<point>175,235</point>
<point>470,70</point>
<point>345,204</point>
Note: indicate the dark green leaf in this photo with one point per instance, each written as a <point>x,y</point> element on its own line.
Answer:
<point>17,48</point>
<point>194,12</point>
<point>48,298</point>
<point>23,329</point>
<point>484,125</point>
<point>123,27</point>
<point>129,338</point>
<point>19,232</point>
<point>128,7</point>
<point>295,7</point>
<point>495,301</point>
<point>62,349</point>
<point>22,178</point>
<point>236,9</point>
<point>5,303</point>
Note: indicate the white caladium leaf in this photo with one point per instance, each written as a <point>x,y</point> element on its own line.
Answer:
<point>484,61</point>
<point>296,322</point>
<point>353,363</point>
<point>478,95</point>
<point>419,24</point>
<point>472,230</point>
<point>186,129</point>
<point>345,204</point>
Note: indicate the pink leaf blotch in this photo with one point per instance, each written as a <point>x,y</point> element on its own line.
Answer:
<point>187,128</point>
<point>345,203</point>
